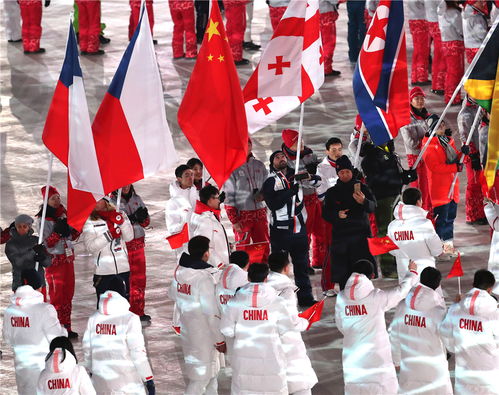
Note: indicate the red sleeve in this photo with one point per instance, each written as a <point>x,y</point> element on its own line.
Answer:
<point>433,160</point>
<point>233,214</point>
<point>52,240</point>
<point>5,236</point>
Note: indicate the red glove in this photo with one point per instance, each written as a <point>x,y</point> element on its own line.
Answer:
<point>115,232</point>
<point>113,216</point>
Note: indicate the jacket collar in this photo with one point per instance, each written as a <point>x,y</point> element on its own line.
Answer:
<point>187,261</point>
<point>201,208</point>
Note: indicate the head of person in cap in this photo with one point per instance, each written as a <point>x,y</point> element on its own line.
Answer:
<point>278,162</point>
<point>344,169</point>
<point>23,224</point>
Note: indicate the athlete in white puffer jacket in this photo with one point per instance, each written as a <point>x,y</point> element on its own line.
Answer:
<point>29,325</point>
<point>360,316</point>
<point>113,346</point>
<point>413,234</point>
<point>62,374</point>
<point>193,291</point>
<point>300,375</point>
<point>415,337</point>
<point>233,277</point>
<point>492,213</point>
<point>471,331</point>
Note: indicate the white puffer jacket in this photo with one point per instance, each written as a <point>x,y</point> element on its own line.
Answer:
<point>360,316</point>
<point>299,372</point>
<point>179,207</point>
<point>63,376</point>
<point>114,349</point>
<point>257,319</point>
<point>110,255</point>
<point>327,172</point>
<point>471,331</point>
<point>492,214</point>
<point>231,279</point>
<point>415,9</point>
<point>29,325</point>
<point>416,344</point>
<point>415,237</point>
<point>475,27</point>
<point>450,23</point>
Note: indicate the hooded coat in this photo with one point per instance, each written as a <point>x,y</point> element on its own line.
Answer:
<point>360,316</point>
<point>415,237</point>
<point>492,213</point>
<point>471,331</point>
<point>63,376</point>
<point>29,325</point>
<point>232,278</point>
<point>416,344</point>
<point>19,251</point>
<point>179,207</point>
<point>193,291</point>
<point>299,372</point>
<point>113,348</point>
<point>257,319</point>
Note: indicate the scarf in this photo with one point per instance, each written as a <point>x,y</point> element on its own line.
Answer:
<point>419,114</point>
<point>290,154</point>
<point>450,152</point>
<point>331,162</point>
<point>52,213</point>
<point>201,208</point>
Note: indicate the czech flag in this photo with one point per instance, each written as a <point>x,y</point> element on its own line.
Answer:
<point>380,76</point>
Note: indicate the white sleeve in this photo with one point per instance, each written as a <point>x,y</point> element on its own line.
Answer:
<point>446,330</point>
<point>337,314</point>
<point>39,386</point>
<point>93,241</point>
<point>323,187</point>
<point>126,229</point>
<point>51,326</point>
<point>394,332</point>
<point>227,321</point>
<point>434,244</point>
<point>209,306</point>
<point>492,214</point>
<point>86,346</point>
<point>389,298</point>
<point>86,387</point>
<point>137,348</point>
<point>5,332</point>
<point>284,322</point>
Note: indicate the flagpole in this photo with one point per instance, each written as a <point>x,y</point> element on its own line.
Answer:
<point>45,202</point>
<point>118,200</point>
<point>298,152</point>
<point>359,145</point>
<point>478,115</point>
<point>457,90</point>
<point>459,285</point>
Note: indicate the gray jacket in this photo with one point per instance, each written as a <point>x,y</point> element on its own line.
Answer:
<point>413,134</point>
<point>450,23</point>
<point>129,208</point>
<point>475,27</point>
<point>19,251</point>
<point>415,9</point>
<point>64,242</point>
<point>243,182</point>
<point>465,121</point>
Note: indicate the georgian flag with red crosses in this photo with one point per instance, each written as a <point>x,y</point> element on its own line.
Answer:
<point>291,68</point>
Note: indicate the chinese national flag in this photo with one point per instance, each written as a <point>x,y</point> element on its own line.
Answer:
<point>313,314</point>
<point>212,114</point>
<point>381,245</point>
<point>457,268</point>
<point>179,239</point>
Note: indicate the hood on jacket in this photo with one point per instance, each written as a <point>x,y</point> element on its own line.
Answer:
<point>478,302</point>
<point>25,295</point>
<point>280,282</point>
<point>188,261</point>
<point>175,190</point>
<point>233,277</point>
<point>15,235</point>
<point>404,211</point>
<point>256,295</point>
<point>112,303</point>
<point>358,287</point>
<point>60,361</point>
<point>422,298</point>
<point>202,208</point>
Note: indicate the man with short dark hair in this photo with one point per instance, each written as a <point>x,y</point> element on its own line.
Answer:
<point>360,317</point>
<point>206,221</point>
<point>326,170</point>
<point>257,319</point>
<point>416,343</point>
<point>193,290</point>
<point>413,233</point>
<point>471,331</point>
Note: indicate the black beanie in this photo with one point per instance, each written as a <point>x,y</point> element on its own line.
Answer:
<point>117,284</point>
<point>31,277</point>
<point>343,163</point>
<point>272,156</point>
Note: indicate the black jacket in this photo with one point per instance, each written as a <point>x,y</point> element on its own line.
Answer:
<point>340,197</point>
<point>188,261</point>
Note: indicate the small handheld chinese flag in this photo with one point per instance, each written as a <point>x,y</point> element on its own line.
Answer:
<point>313,313</point>
<point>381,245</point>
<point>179,239</point>
<point>457,269</point>
<point>258,252</point>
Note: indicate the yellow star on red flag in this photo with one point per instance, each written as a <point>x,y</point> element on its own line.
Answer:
<point>212,29</point>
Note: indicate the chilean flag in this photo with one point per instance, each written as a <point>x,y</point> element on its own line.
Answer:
<point>380,76</point>
<point>131,135</point>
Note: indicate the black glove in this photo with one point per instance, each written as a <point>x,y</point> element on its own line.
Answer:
<point>47,3</point>
<point>295,188</point>
<point>39,249</point>
<point>459,167</point>
<point>151,389</point>
<point>465,149</point>
<point>39,257</point>
<point>221,197</point>
<point>141,214</point>
<point>409,176</point>
<point>311,168</point>
<point>475,161</point>
<point>133,217</point>
<point>61,227</point>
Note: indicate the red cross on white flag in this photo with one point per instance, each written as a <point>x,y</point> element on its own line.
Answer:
<point>291,68</point>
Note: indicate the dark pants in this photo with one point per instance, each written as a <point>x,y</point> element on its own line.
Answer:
<point>202,9</point>
<point>356,28</point>
<point>444,222</point>
<point>344,253</point>
<point>101,284</point>
<point>296,244</point>
<point>384,215</point>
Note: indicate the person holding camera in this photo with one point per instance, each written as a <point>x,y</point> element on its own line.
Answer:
<point>58,238</point>
<point>346,207</point>
<point>137,213</point>
<point>288,231</point>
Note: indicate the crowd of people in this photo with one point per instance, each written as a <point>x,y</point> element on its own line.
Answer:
<point>237,302</point>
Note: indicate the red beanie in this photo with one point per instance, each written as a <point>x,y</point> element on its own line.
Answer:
<point>289,137</point>
<point>416,91</point>
<point>52,192</point>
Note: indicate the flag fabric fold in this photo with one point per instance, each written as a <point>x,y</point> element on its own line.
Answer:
<point>291,68</point>
<point>380,76</point>
<point>381,245</point>
<point>211,114</point>
<point>179,239</point>
<point>457,269</point>
<point>313,313</point>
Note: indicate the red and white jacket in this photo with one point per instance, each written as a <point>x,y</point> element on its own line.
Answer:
<point>231,278</point>
<point>326,170</point>
<point>471,331</point>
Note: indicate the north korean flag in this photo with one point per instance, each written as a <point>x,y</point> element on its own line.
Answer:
<point>380,79</point>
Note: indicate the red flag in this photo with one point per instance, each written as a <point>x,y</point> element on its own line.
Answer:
<point>381,245</point>
<point>457,269</point>
<point>212,114</point>
<point>258,252</point>
<point>179,239</point>
<point>313,313</point>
